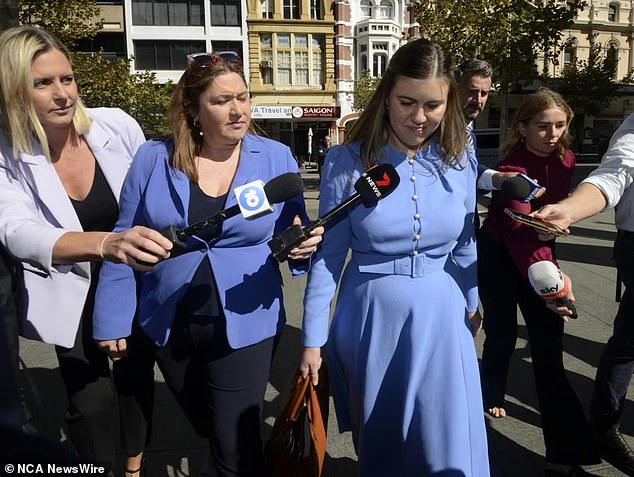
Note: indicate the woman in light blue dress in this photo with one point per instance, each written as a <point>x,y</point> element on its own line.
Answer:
<point>401,356</point>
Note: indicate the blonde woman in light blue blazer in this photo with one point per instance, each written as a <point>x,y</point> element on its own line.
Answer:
<point>62,167</point>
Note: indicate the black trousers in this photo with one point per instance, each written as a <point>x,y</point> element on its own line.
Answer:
<point>567,435</point>
<point>91,411</point>
<point>220,389</point>
<point>617,360</point>
<point>13,412</point>
<point>90,415</point>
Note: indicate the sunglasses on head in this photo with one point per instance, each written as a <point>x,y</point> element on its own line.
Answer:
<point>205,59</point>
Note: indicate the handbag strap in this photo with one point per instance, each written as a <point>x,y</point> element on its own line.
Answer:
<point>301,388</point>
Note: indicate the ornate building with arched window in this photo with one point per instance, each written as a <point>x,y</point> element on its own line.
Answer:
<point>368,32</point>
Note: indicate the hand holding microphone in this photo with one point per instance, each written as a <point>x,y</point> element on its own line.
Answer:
<point>553,286</point>
<point>254,200</point>
<point>373,185</point>
<point>521,187</point>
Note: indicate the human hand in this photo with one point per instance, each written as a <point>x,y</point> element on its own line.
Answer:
<point>115,349</point>
<point>306,248</point>
<point>139,247</point>
<point>557,214</point>
<point>475,322</point>
<point>310,364</point>
<point>557,306</point>
<point>534,189</point>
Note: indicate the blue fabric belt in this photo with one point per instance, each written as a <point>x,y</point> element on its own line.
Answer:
<point>414,266</point>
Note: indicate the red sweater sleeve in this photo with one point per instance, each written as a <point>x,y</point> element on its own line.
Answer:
<point>520,240</point>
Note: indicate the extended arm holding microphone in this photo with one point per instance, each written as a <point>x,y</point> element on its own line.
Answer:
<point>251,204</point>
<point>551,284</point>
<point>373,185</point>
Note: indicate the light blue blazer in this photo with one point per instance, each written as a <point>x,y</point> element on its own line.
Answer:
<point>248,278</point>
<point>35,211</point>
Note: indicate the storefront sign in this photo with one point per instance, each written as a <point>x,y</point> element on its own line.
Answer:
<point>271,112</point>
<point>296,112</point>
<point>316,112</point>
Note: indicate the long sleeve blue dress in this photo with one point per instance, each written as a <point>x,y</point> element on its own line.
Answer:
<point>401,357</point>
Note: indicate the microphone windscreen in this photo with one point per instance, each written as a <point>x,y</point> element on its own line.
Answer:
<point>283,187</point>
<point>547,280</point>
<point>516,188</point>
<point>377,183</point>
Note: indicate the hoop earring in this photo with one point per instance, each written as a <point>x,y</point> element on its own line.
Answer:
<point>197,126</point>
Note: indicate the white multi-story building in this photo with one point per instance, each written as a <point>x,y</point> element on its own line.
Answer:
<point>367,33</point>
<point>159,35</point>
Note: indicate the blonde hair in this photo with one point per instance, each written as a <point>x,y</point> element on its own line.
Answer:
<point>18,48</point>
<point>533,104</point>
<point>418,59</point>
<point>187,141</point>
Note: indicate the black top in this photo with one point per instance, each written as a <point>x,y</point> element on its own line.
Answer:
<point>201,297</point>
<point>98,212</point>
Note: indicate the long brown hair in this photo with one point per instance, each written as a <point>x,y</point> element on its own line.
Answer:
<point>187,141</point>
<point>418,59</point>
<point>533,104</point>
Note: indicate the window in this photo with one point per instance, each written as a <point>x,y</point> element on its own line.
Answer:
<point>225,12</point>
<point>291,9</point>
<point>570,54</point>
<point>164,55</point>
<point>611,63</point>
<point>385,9</point>
<point>266,58</point>
<point>266,7</point>
<point>366,9</point>
<point>613,12</point>
<point>235,46</point>
<point>315,10</point>
<point>379,63</point>
<point>318,60</point>
<point>289,59</point>
<point>167,12</point>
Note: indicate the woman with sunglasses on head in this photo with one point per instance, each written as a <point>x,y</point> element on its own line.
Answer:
<point>518,265</point>
<point>62,167</point>
<point>212,315</point>
<point>402,360</point>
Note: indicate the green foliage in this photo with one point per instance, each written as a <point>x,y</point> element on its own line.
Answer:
<point>506,33</point>
<point>102,82</point>
<point>588,85</point>
<point>69,20</point>
<point>364,88</point>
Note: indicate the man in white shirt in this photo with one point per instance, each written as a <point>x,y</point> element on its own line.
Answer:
<point>609,186</point>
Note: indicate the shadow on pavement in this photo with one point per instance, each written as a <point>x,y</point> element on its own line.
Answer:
<point>591,254</point>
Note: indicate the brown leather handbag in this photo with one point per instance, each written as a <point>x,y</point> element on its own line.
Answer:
<point>297,446</point>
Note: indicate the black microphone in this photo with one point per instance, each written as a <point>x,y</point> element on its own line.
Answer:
<point>520,187</point>
<point>375,184</point>
<point>277,190</point>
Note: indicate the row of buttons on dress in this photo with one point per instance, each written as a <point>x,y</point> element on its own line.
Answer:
<point>417,224</point>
